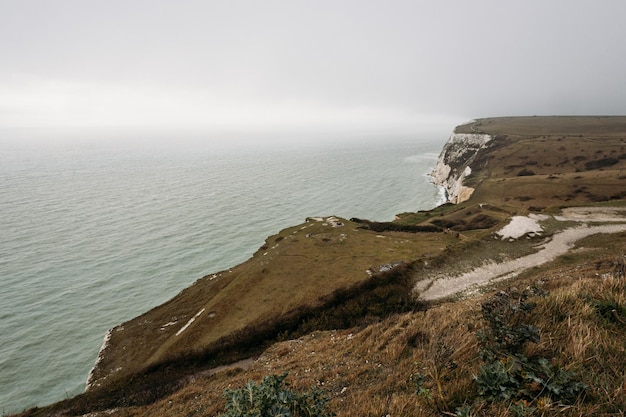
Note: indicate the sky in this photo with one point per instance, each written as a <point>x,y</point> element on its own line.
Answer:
<point>251,64</point>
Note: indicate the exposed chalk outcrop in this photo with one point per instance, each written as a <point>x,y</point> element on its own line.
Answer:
<point>91,376</point>
<point>521,226</point>
<point>454,164</point>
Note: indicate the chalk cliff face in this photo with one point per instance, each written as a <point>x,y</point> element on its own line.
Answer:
<point>455,164</point>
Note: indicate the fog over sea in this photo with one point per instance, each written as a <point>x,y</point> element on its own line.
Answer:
<point>98,226</point>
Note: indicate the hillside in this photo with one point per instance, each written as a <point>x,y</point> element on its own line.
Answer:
<point>396,318</point>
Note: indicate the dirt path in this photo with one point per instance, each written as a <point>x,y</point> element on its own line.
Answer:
<point>244,364</point>
<point>560,244</point>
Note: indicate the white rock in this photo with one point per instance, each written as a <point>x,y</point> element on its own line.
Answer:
<point>459,152</point>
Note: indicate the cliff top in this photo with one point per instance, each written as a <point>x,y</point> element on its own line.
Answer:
<point>614,126</point>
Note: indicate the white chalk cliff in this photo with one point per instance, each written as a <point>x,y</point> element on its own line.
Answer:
<point>454,164</point>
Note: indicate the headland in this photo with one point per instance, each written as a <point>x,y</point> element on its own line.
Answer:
<point>376,313</point>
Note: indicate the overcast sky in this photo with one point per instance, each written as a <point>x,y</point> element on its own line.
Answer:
<point>337,63</point>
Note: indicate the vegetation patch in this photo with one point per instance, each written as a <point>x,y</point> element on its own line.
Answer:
<point>273,398</point>
<point>601,163</point>
<point>478,222</point>
<point>395,227</point>
<point>507,373</point>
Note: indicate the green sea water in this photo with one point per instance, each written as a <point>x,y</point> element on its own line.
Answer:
<point>97,227</point>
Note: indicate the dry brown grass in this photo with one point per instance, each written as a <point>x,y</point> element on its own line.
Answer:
<point>372,370</point>
<point>297,268</point>
<point>549,126</point>
<point>560,177</point>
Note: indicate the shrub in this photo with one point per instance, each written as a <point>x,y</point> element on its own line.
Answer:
<point>481,221</point>
<point>601,163</point>
<point>271,398</point>
<point>395,227</point>
<point>525,173</point>
<point>507,374</point>
<point>597,198</point>
<point>505,332</point>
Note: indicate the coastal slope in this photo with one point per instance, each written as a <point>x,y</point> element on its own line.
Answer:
<point>232,314</point>
<point>355,307</point>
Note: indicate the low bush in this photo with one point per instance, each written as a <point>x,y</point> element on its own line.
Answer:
<point>272,398</point>
<point>481,221</point>
<point>507,374</point>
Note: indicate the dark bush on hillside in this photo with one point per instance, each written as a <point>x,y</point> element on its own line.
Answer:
<point>394,227</point>
<point>480,221</point>
<point>601,163</point>
<point>448,224</point>
<point>523,198</point>
<point>525,173</point>
<point>597,198</point>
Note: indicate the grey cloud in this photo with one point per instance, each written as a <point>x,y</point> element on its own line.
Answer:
<point>478,58</point>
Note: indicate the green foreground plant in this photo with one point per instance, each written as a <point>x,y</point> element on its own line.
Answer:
<point>271,398</point>
<point>507,373</point>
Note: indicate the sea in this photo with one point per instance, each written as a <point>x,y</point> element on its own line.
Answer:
<point>100,225</point>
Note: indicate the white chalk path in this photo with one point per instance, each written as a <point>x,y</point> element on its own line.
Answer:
<point>560,244</point>
<point>191,320</point>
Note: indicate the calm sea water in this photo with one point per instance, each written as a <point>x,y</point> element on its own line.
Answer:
<point>98,227</point>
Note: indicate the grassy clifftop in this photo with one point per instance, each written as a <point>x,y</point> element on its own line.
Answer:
<point>541,162</point>
<point>334,301</point>
<point>590,126</point>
